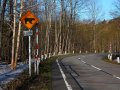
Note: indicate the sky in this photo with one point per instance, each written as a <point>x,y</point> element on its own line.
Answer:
<point>106,6</point>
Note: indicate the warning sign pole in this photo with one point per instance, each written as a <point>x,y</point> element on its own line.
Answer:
<point>29,55</point>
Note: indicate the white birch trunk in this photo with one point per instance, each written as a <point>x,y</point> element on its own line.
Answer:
<point>13,39</point>
<point>60,36</point>
<point>18,36</point>
<point>56,32</point>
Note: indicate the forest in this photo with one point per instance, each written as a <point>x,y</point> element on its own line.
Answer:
<point>61,28</point>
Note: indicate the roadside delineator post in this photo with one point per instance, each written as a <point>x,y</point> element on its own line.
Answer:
<point>73,51</point>
<point>45,56</point>
<point>42,57</point>
<point>80,52</point>
<point>37,54</point>
<point>118,59</point>
<point>110,51</point>
<point>49,55</point>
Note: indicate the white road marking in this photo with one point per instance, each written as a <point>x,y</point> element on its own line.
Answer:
<point>96,67</point>
<point>100,69</point>
<point>92,65</point>
<point>79,58</point>
<point>64,77</point>
<point>116,77</point>
<point>83,61</point>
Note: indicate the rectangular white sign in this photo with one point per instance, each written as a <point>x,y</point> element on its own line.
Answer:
<point>28,33</point>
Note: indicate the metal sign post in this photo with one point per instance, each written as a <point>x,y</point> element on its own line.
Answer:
<point>29,55</point>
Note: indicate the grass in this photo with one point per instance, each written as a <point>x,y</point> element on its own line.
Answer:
<point>43,81</point>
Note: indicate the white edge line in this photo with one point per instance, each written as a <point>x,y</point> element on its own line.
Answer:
<point>64,77</point>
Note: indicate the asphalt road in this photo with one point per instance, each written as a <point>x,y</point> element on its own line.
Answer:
<point>85,72</point>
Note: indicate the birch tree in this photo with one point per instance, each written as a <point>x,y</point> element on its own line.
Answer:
<point>18,36</point>
<point>95,14</point>
<point>56,31</point>
<point>13,37</point>
<point>116,11</point>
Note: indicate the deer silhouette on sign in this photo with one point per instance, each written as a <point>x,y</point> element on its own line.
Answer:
<point>29,20</point>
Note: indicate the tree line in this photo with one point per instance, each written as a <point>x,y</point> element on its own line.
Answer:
<point>61,29</point>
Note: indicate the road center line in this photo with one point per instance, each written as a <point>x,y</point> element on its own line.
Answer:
<point>64,77</point>
<point>92,66</point>
<point>83,61</point>
<point>116,77</point>
<point>102,70</point>
<point>95,67</point>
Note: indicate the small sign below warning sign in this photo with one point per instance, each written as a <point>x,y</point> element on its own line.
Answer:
<point>28,33</point>
<point>29,19</point>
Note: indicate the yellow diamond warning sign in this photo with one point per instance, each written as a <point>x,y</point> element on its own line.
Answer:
<point>29,19</point>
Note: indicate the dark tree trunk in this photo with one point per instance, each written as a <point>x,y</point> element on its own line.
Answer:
<point>1,23</point>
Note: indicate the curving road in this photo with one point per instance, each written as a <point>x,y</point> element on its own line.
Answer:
<point>85,72</point>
